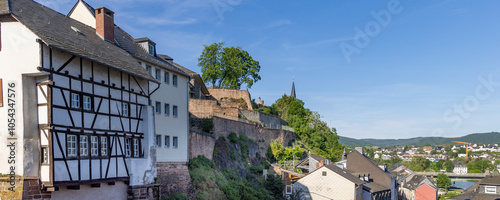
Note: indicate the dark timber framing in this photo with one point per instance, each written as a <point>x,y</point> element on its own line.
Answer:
<point>56,130</point>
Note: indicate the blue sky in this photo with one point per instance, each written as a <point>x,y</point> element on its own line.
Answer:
<point>372,69</point>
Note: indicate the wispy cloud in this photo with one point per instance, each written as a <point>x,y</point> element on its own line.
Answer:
<point>160,21</point>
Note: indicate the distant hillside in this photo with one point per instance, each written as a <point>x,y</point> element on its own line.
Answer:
<point>485,138</point>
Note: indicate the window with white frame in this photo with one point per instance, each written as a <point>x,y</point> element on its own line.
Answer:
<point>94,146</point>
<point>104,146</point>
<point>167,109</point>
<point>71,145</point>
<point>174,80</point>
<point>166,77</point>
<point>127,147</point>
<point>174,111</point>
<point>289,189</point>
<point>149,69</point>
<point>167,141</point>
<point>490,189</point>
<point>44,155</point>
<point>158,107</point>
<point>158,74</point>
<point>158,140</point>
<point>87,102</point>
<point>174,142</point>
<point>125,107</point>
<point>152,50</point>
<point>136,147</point>
<point>75,100</point>
<point>84,146</point>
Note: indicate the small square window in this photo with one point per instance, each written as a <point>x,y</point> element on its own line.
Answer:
<point>324,173</point>
<point>136,148</point>
<point>289,189</point>
<point>158,74</point>
<point>84,148</point>
<point>75,100</point>
<point>166,77</point>
<point>174,80</point>
<point>87,103</point>
<point>167,109</point>
<point>71,145</point>
<point>104,146</point>
<point>45,156</point>
<point>167,141</point>
<point>127,147</point>
<point>125,108</point>
<point>152,50</point>
<point>158,140</point>
<point>490,189</point>
<point>94,146</point>
<point>175,142</point>
<point>158,107</point>
<point>174,111</point>
<point>149,69</point>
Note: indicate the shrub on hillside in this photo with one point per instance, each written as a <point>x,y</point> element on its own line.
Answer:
<point>207,125</point>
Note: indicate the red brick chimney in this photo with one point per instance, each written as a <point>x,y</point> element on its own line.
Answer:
<point>105,23</point>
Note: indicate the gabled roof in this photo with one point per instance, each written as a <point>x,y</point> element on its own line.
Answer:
<point>90,8</point>
<point>128,43</point>
<point>344,174</point>
<point>458,163</point>
<point>195,75</point>
<point>63,33</point>
<point>306,160</point>
<point>417,181</point>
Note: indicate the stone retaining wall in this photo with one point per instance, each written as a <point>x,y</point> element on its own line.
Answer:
<point>174,178</point>
<point>201,143</point>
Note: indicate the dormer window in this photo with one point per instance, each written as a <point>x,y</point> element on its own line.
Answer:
<point>152,50</point>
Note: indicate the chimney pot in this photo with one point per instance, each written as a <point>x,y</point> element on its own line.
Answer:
<point>105,23</point>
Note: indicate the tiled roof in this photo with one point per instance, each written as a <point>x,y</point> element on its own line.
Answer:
<point>490,180</point>
<point>63,33</point>
<point>345,174</point>
<point>127,42</point>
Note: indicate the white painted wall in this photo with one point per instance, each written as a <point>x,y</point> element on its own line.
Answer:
<point>19,55</point>
<point>105,192</point>
<point>168,124</point>
<point>81,13</point>
<point>331,186</point>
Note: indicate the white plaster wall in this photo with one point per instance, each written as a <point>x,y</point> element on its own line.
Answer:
<point>143,170</point>
<point>19,55</point>
<point>331,186</point>
<point>82,14</point>
<point>170,125</point>
<point>105,192</point>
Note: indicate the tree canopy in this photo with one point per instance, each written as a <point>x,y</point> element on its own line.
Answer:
<point>228,67</point>
<point>443,181</point>
<point>312,132</point>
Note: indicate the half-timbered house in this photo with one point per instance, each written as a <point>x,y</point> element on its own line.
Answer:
<point>77,104</point>
<point>170,101</point>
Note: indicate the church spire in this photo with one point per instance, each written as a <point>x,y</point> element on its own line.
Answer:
<point>293,90</point>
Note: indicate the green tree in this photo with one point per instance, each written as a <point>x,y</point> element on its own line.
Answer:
<point>418,163</point>
<point>436,166</point>
<point>448,147</point>
<point>461,151</point>
<point>228,67</point>
<point>443,181</point>
<point>433,152</point>
<point>449,166</point>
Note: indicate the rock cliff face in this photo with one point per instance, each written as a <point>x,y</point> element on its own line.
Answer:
<point>237,156</point>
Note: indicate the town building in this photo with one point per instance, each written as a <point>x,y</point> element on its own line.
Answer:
<point>331,182</point>
<point>487,188</point>
<point>169,100</point>
<point>83,122</point>
<point>460,168</point>
<point>418,188</point>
